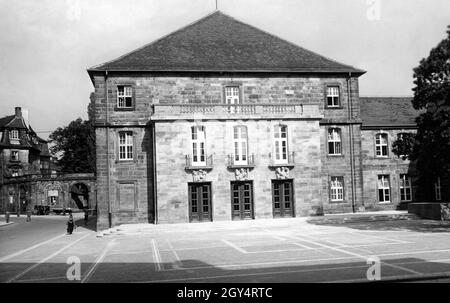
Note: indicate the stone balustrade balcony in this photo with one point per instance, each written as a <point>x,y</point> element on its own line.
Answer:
<point>235,111</point>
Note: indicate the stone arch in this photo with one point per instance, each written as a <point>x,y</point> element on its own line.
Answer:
<point>53,193</point>
<point>80,194</point>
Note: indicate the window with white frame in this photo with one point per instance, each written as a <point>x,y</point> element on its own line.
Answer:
<point>232,95</point>
<point>334,141</point>
<point>437,189</point>
<point>14,155</point>
<point>337,189</point>
<point>280,144</point>
<point>124,96</point>
<point>14,135</point>
<point>125,146</point>
<point>384,189</point>
<point>198,146</point>
<point>240,144</point>
<point>381,145</point>
<point>333,96</point>
<point>405,188</point>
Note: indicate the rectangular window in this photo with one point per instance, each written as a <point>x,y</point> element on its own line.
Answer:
<point>240,145</point>
<point>381,145</point>
<point>333,96</point>
<point>405,188</point>
<point>14,134</point>
<point>232,95</point>
<point>198,146</point>
<point>384,189</point>
<point>124,96</point>
<point>125,146</point>
<point>337,189</point>
<point>437,189</point>
<point>334,141</point>
<point>14,155</point>
<point>280,144</point>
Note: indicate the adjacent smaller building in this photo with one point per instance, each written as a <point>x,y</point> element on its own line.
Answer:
<point>29,176</point>
<point>389,181</point>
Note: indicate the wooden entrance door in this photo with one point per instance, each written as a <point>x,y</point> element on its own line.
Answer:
<point>242,200</point>
<point>200,202</point>
<point>283,198</point>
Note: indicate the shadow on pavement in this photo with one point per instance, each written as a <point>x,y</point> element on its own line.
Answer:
<point>91,224</point>
<point>417,225</point>
<point>198,271</point>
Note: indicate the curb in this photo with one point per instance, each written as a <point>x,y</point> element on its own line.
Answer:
<point>5,224</point>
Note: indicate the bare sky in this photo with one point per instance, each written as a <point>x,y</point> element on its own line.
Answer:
<point>47,45</point>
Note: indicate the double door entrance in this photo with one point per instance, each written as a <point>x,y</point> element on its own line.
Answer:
<point>200,209</point>
<point>242,205</point>
<point>242,200</point>
<point>282,198</point>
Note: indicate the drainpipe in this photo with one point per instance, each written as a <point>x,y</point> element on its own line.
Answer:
<point>155,195</point>
<point>107,153</point>
<point>350,128</point>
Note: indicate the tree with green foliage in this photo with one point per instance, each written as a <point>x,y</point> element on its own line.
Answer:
<point>74,146</point>
<point>430,149</point>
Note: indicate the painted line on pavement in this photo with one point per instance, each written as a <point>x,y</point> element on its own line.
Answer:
<point>241,250</point>
<point>99,259</point>
<point>178,263</point>
<point>353,254</point>
<point>156,257</point>
<point>20,252</point>
<point>284,262</point>
<point>253,274</point>
<point>378,237</point>
<point>45,259</point>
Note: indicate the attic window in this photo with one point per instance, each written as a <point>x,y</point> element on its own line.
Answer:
<point>124,96</point>
<point>14,135</point>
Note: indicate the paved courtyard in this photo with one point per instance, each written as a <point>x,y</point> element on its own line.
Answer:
<point>282,250</point>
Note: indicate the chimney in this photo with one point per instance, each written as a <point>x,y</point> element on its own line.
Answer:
<point>18,112</point>
<point>25,117</point>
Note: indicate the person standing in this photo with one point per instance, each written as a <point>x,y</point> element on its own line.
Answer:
<point>70,225</point>
<point>29,210</point>
<point>86,217</point>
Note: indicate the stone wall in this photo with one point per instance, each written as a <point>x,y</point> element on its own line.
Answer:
<point>173,144</point>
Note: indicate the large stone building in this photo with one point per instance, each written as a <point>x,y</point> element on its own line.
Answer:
<point>222,121</point>
<point>29,177</point>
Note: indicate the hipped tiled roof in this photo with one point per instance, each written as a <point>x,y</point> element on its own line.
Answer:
<point>388,112</point>
<point>219,42</point>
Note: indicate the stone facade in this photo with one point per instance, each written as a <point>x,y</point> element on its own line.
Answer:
<point>390,165</point>
<point>164,110</point>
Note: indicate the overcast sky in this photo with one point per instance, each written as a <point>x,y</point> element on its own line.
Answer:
<point>46,46</point>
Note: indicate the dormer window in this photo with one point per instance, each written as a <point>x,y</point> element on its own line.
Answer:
<point>14,136</point>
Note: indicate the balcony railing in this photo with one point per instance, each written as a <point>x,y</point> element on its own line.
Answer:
<point>288,162</point>
<point>207,164</point>
<point>232,163</point>
<point>180,111</point>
